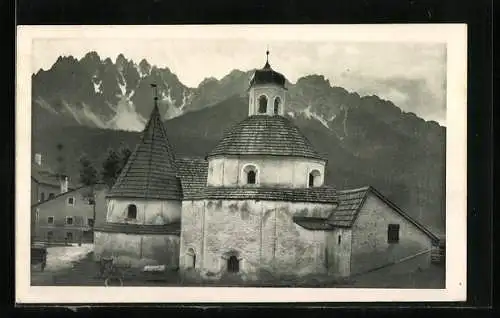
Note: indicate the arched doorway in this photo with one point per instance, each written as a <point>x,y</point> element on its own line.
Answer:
<point>233,264</point>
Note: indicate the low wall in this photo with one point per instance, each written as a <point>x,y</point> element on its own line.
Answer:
<point>138,250</point>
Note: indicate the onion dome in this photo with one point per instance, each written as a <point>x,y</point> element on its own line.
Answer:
<point>267,75</point>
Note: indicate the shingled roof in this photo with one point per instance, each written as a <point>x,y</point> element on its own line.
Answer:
<point>313,224</point>
<point>265,135</point>
<point>350,201</point>
<point>44,175</point>
<point>349,204</point>
<point>193,174</point>
<point>318,195</point>
<point>151,171</point>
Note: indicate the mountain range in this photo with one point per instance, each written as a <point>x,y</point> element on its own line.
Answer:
<point>91,104</point>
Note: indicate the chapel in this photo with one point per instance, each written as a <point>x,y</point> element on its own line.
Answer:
<point>257,203</point>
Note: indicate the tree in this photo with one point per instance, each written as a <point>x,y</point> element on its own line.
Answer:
<point>124,153</point>
<point>88,177</point>
<point>111,168</point>
<point>88,173</point>
<point>61,165</point>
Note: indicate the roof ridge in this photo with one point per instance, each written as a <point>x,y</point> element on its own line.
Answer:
<point>364,188</point>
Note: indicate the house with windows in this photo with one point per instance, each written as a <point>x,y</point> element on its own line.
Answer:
<point>45,183</point>
<point>66,217</point>
<point>257,204</point>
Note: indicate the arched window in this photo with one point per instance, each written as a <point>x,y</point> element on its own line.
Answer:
<point>190,258</point>
<point>314,178</point>
<point>277,102</point>
<point>251,177</point>
<point>250,174</point>
<point>262,104</point>
<point>132,211</point>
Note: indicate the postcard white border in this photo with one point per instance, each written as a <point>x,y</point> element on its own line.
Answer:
<point>454,35</point>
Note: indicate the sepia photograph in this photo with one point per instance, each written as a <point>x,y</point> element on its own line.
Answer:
<point>290,163</point>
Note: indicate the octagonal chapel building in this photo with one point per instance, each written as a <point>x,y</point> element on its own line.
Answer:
<point>256,204</point>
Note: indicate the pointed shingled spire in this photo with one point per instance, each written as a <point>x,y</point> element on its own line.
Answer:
<point>150,172</point>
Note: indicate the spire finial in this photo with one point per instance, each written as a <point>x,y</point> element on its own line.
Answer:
<point>155,93</point>
<point>267,54</point>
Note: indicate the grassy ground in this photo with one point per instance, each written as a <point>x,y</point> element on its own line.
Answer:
<point>84,272</point>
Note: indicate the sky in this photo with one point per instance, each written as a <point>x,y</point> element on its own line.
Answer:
<point>411,75</point>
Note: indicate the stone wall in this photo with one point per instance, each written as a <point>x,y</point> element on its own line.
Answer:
<point>271,171</point>
<point>138,250</point>
<point>148,212</point>
<point>338,253</point>
<point>261,234</point>
<point>370,248</point>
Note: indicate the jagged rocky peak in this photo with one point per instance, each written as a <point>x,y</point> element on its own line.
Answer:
<point>144,67</point>
<point>317,80</point>
<point>91,56</point>
<point>208,81</point>
<point>108,61</point>
<point>120,59</point>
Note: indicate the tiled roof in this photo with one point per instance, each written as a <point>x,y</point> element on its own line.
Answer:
<point>43,174</point>
<point>265,135</point>
<point>173,228</point>
<point>317,195</point>
<point>193,174</point>
<point>350,201</point>
<point>314,224</point>
<point>151,171</point>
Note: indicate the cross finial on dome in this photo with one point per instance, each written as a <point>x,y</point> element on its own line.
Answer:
<point>155,94</point>
<point>267,58</point>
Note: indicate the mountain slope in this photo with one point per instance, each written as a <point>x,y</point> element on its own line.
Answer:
<point>378,154</point>
<point>366,139</point>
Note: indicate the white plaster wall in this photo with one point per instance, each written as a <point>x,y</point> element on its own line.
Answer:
<point>262,232</point>
<point>138,249</point>
<point>370,248</point>
<point>148,212</point>
<point>271,171</point>
<point>338,258</point>
<point>271,92</point>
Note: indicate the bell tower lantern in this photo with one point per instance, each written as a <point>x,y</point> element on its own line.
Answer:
<point>267,92</point>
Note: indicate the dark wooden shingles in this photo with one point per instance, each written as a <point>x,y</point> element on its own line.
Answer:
<point>319,195</point>
<point>265,135</point>
<point>349,202</point>
<point>151,171</point>
<point>172,228</point>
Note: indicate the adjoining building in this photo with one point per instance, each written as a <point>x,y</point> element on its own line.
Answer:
<point>256,204</point>
<point>66,217</point>
<point>45,183</point>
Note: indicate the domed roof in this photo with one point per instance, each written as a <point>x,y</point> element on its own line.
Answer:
<point>265,135</point>
<point>267,75</point>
